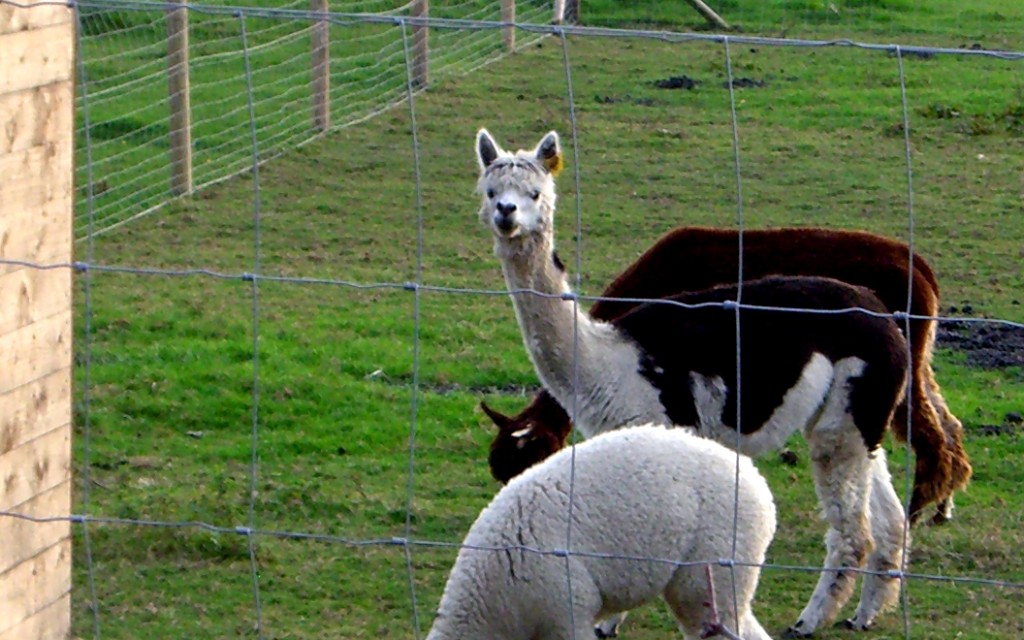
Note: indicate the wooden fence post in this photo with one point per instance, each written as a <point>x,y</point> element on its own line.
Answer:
<point>572,11</point>
<point>559,15</point>
<point>321,68</point>
<point>180,102</point>
<point>420,45</point>
<point>508,14</point>
<point>36,191</point>
<point>709,14</point>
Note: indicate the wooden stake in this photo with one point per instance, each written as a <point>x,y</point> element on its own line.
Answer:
<point>321,56</point>
<point>508,14</point>
<point>709,14</point>
<point>180,101</point>
<point>420,45</point>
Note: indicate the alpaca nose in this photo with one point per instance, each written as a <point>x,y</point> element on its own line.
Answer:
<point>503,219</point>
<point>506,209</point>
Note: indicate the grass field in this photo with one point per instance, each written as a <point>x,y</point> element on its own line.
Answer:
<point>170,412</point>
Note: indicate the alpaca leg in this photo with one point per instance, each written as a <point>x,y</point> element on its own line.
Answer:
<point>686,594</point>
<point>609,627</point>
<point>840,465</point>
<point>751,629</point>
<point>934,467</point>
<point>735,613</point>
<point>834,587</point>
<point>562,620</point>
<point>887,527</point>
<point>960,463</point>
<point>561,626</point>
<point>689,597</point>
<point>586,606</point>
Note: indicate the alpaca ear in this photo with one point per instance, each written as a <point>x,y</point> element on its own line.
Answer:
<point>549,152</point>
<point>487,150</point>
<point>500,420</point>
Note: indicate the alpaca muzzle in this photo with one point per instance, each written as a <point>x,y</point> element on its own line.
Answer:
<point>505,218</point>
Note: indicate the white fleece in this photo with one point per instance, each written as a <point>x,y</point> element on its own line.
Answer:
<point>637,493</point>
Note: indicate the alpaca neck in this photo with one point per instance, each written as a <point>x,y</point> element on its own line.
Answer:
<point>589,366</point>
<point>549,323</point>
<point>564,343</point>
<point>528,263</point>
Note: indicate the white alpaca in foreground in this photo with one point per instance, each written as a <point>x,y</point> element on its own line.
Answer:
<point>638,494</point>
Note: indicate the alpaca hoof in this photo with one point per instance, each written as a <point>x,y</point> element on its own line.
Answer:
<point>794,631</point>
<point>917,509</point>
<point>943,512</point>
<point>852,625</point>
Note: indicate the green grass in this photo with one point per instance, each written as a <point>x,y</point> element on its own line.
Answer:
<point>171,360</point>
<point>944,22</point>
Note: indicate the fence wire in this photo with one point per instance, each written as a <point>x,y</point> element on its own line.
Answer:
<point>272,32</point>
<point>123,42</point>
<point>123,45</point>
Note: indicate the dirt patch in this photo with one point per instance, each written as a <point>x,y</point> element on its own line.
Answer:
<point>688,83</point>
<point>745,83</point>
<point>677,82</point>
<point>1008,428</point>
<point>986,345</point>
<point>914,53</point>
<point>628,99</point>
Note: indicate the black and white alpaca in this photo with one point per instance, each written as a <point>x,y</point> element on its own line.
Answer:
<point>695,258</point>
<point>837,376</point>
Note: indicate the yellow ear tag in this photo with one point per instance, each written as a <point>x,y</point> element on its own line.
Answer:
<point>554,165</point>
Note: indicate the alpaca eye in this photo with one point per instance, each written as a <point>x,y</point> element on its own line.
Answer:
<point>490,194</point>
<point>534,195</point>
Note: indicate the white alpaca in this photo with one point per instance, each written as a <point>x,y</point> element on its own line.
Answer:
<point>836,376</point>
<point>651,508</point>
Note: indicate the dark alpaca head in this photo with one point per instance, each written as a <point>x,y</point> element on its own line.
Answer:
<point>524,440</point>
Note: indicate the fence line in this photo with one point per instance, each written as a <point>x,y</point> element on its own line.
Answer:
<point>156,139</point>
<point>398,541</point>
<point>136,174</point>
<point>39,265</point>
<point>84,267</point>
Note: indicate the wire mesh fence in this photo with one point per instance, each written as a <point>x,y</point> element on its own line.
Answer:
<point>137,113</point>
<point>138,108</point>
<point>263,480</point>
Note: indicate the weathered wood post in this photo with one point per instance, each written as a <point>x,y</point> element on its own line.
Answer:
<point>179,100</point>
<point>321,56</point>
<point>709,14</point>
<point>572,11</point>
<point>508,14</point>
<point>36,189</point>
<point>559,14</point>
<point>420,45</point>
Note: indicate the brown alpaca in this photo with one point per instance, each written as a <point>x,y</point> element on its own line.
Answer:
<point>695,258</point>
